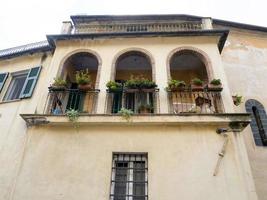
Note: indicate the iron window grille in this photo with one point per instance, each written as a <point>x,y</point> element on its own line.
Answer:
<point>129,180</point>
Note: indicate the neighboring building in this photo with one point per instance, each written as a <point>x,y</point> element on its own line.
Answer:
<point>180,143</point>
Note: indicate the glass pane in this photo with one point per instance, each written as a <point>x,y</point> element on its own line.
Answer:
<point>139,183</point>
<point>34,72</point>
<point>28,86</point>
<point>120,180</point>
<point>15,87</point>
<point>2,77</point>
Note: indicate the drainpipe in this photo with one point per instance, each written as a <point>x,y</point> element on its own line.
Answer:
<point>223,132</point>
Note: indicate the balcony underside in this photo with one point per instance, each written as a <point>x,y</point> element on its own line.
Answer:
<point>239,120</point>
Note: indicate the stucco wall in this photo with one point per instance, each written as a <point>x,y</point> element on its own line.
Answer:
<point>13,130</point>
<point>59,163</point>
<point>245,63</point>
<point>64,163</point>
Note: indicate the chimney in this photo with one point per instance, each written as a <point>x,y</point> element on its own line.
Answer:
<point>66,27</point>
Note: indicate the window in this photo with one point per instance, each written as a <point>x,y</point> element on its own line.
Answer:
<point>3,77</point>
<point>129,177</point>
<point>259,121</point>
<point>16,85</point>
<point>22,84</point>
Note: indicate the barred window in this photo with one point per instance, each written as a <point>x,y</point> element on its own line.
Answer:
<point>129,177</point>
<point>258,121</point>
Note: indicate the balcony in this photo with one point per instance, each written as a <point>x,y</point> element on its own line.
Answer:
<point>138,27</point>
<point>140,101</point>
<point>59,101</point>
<point>199,102</point>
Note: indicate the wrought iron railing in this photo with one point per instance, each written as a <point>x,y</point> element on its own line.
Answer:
<point>195,102</point>
<point>59,101</point>
<point>140,101</point>
<point>131,28</point>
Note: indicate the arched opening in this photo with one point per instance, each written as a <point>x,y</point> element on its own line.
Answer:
<point>79,73</point>
<point>257,126</point>
<point>186,65</point>
<point>133,66</point>
<point>133,63</point>
<point>189,73</point>
<point>78,62</point>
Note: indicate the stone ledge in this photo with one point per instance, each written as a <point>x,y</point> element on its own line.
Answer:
<point>225,119</point>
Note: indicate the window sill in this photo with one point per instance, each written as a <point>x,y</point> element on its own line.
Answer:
<point>225,119</point>
<point>10,101</point>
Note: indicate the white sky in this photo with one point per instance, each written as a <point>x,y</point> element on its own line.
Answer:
<point>27,21</point>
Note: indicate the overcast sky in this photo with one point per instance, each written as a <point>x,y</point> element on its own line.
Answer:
<point>27,21</point>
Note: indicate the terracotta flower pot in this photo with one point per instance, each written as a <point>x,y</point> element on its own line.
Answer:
<point>197,87</point>
<point>85,87</point>
<point>212,87</point>
<point>57,88</point>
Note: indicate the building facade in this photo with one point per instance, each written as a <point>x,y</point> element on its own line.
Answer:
<point>139,138</point>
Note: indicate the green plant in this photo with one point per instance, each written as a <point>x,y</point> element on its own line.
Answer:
<point>175,84</point>
<point>126,113</point>
<point>216,82</point>
<point>237,99</point>
<point>139,82</point>
<point>83,77</point>
<point>73,115</point>
<point>59,82</point>
<point>112,85</point>
<point>197,81</point>
<point>145,107</point>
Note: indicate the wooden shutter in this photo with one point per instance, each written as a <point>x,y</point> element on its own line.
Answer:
<point>3,77</point>
<point>30,82</point>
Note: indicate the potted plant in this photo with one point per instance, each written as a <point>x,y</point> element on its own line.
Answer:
<point>215,85</point>
<point>126,113</point>
<point>145,109</point>
<point>197,84</point>
<point>114,86</point>
<point>139,83</point>
<point>237,99</point>
<point>59,84</point>
<point>176,85</point>
<point>83,79</point>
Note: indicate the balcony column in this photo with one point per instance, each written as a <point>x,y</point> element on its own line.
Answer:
<point>207,23</point>
<point>161,80</point>
<point>66,27</point>
<point>105,74</point>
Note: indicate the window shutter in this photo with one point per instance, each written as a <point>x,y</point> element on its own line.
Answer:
<point>30,82</point>
<point>3,78</point>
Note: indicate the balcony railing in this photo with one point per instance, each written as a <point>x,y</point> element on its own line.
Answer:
<point>59,101</point>
<point>131,28</point>
<point>142,101</point>
<point>195,102</point>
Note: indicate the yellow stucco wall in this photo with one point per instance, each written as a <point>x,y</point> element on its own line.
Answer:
<point>245,63</point>
<point>64,163</point>
<point>61,163</point>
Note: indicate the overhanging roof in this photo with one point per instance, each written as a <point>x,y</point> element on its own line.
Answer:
<point>49,45</point>
<point>220,33</point>
<point>25,49</point>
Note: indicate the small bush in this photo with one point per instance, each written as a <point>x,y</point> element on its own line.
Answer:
<point>216,82</point>
<point>83,77</point>
<point>197,81</point>
<point>59,82</point>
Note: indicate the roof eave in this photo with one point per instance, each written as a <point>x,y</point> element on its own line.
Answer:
<point>222,33</point>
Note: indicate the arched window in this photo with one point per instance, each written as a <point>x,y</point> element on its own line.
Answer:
<point>132,65</point>
<point>79,93</point>
<point>187,66</point>
<point>259,121</point>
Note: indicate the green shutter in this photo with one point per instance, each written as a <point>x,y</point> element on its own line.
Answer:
<point>3,78</point>
<point>30,82</point>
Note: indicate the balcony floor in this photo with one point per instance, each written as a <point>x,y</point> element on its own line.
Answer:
<point>222,119</point>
